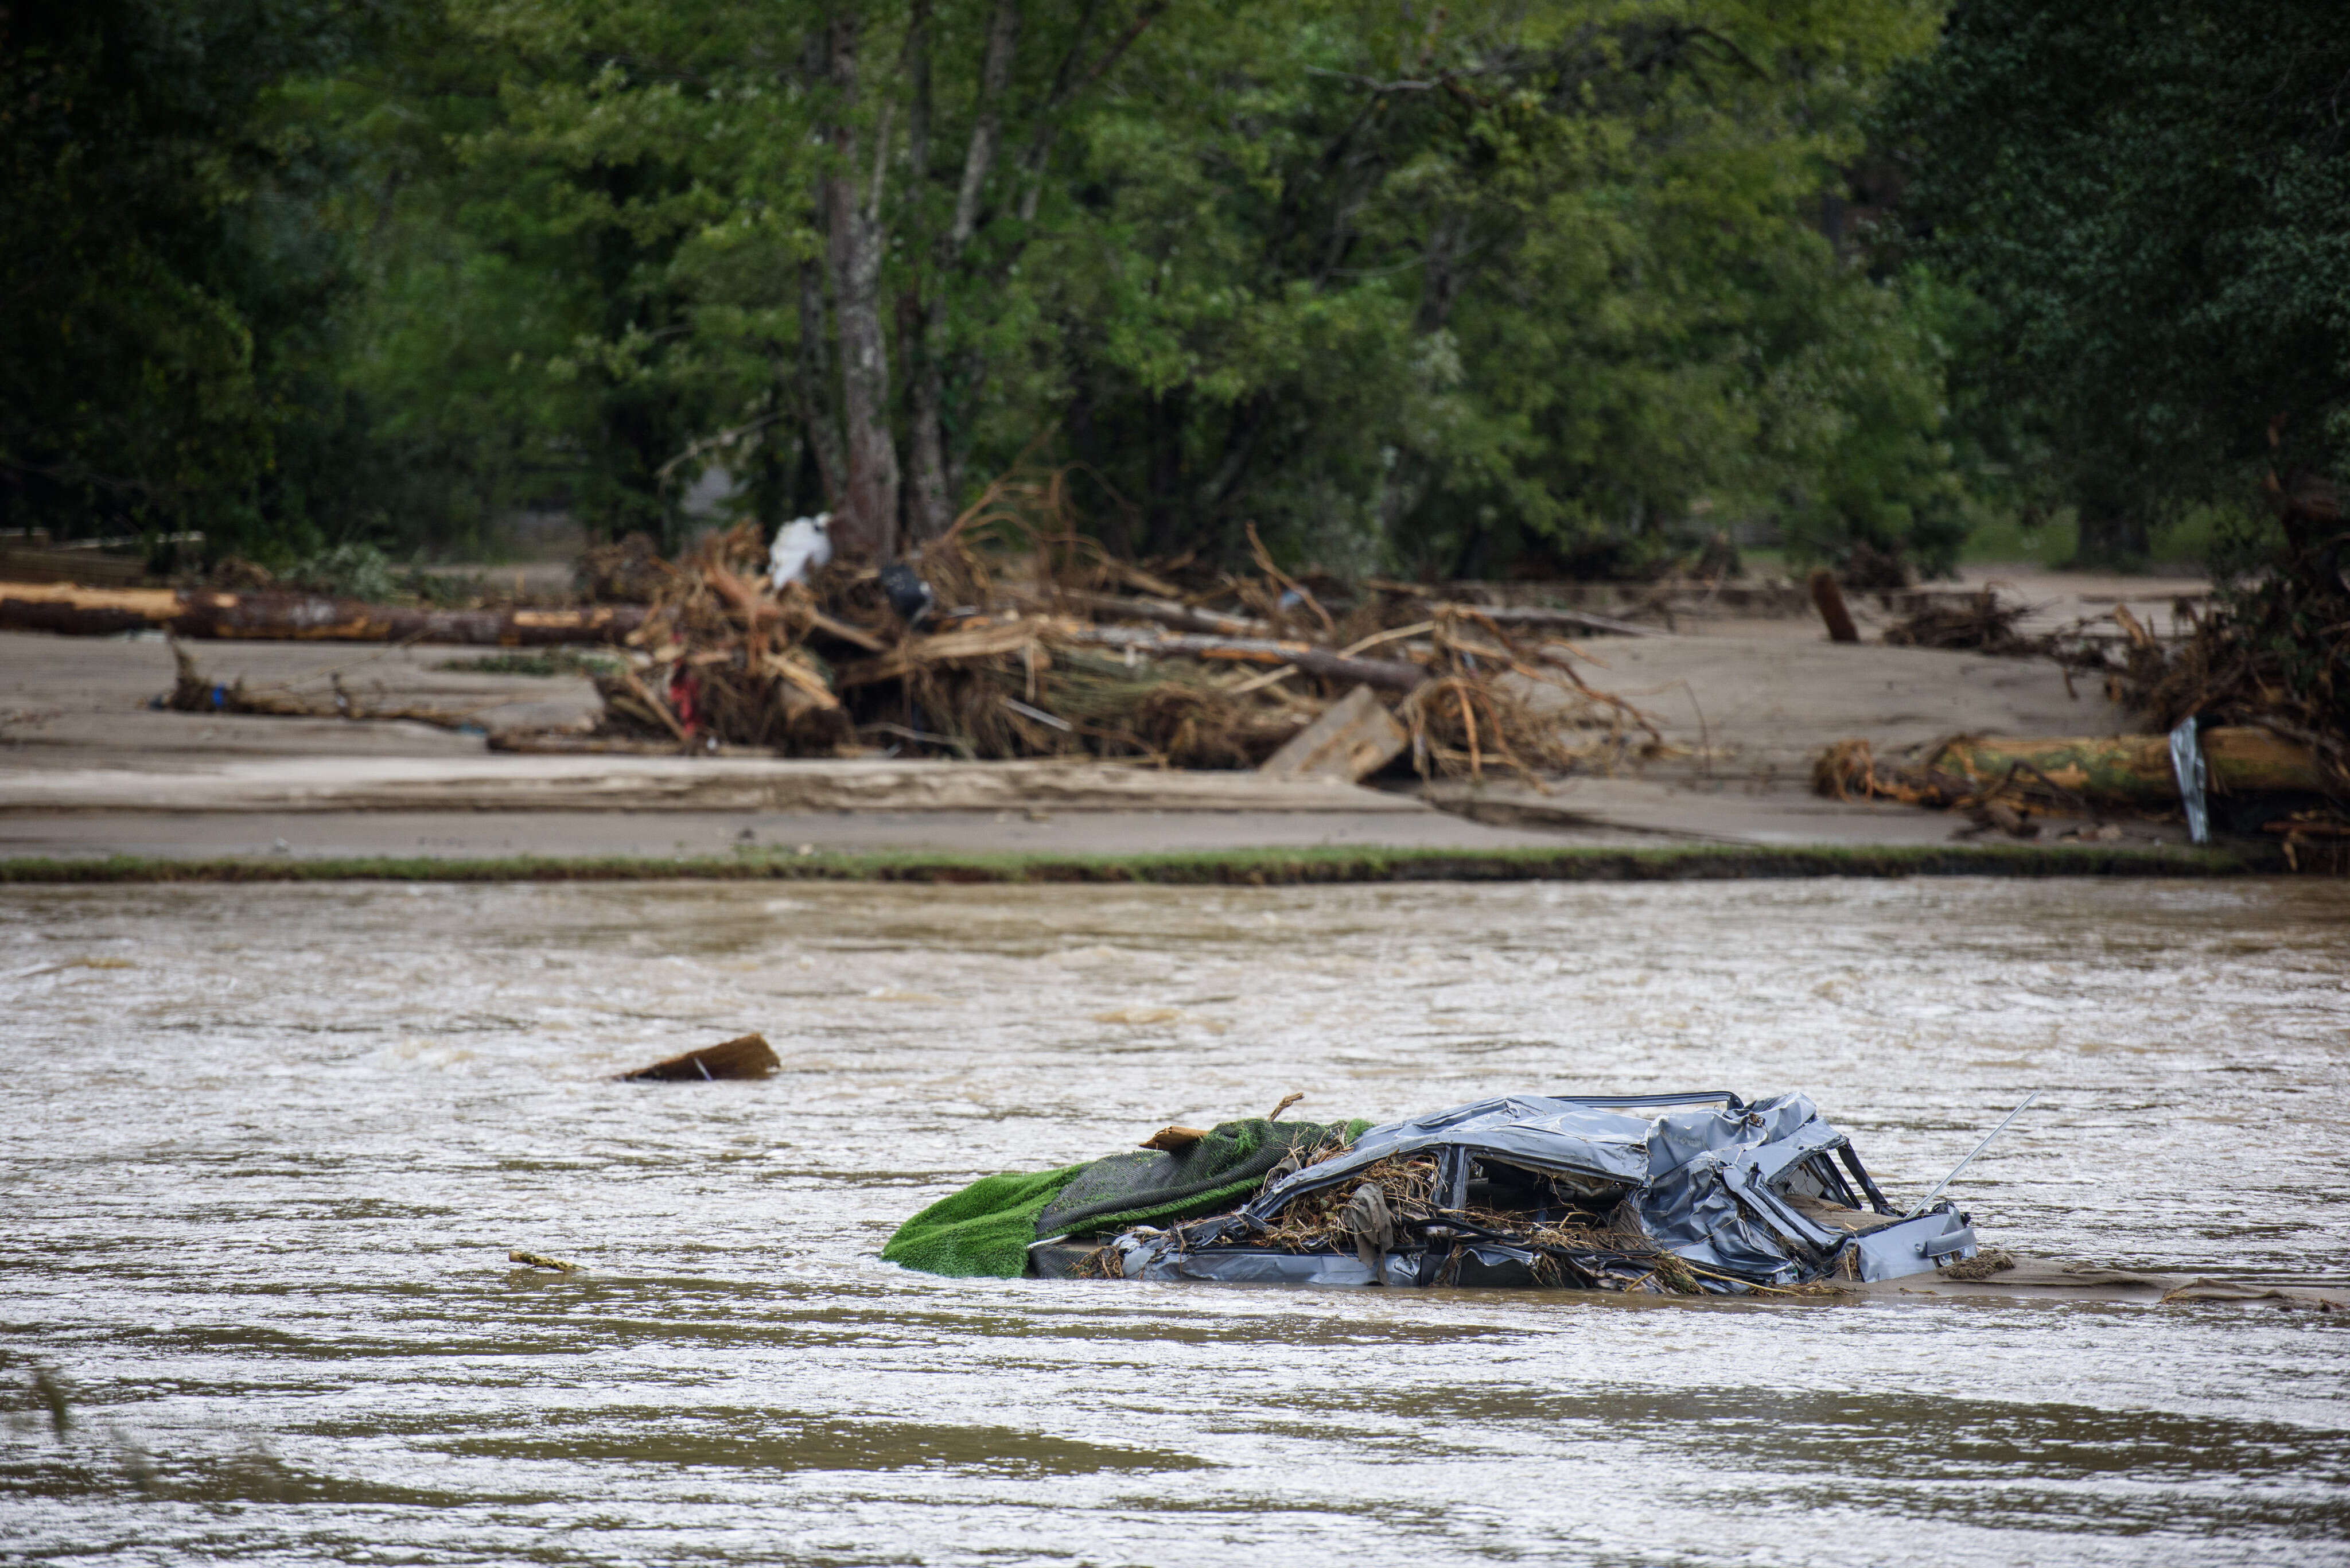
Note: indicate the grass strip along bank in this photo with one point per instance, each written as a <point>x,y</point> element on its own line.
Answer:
<point>1238,868</point>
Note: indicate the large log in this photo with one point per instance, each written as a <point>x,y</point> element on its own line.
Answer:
<point>282,616</point>
<point>2135,770</point>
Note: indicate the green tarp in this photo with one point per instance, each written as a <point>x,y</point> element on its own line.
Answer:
<point>986,1227</point>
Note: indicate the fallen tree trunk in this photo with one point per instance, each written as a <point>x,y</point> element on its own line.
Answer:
<point>2135,770</point>
<point>278,617</point>
<point>1390,674</point>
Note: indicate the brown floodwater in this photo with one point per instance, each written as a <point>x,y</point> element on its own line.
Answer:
<point>265,1148</point>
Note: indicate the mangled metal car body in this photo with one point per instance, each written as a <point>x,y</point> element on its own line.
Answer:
<point>1694,1193</point>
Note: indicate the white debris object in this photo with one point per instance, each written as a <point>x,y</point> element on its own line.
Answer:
<point>801,545</point>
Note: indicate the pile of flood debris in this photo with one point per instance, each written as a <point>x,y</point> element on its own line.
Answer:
<point>1980,622</point>
<point>1014,635</point>
<point>2248,709</point>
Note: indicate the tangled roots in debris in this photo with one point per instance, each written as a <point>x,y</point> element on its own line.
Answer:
<point>1461,726</point>
<point>1983,1265</point>
<point>1980,625</point>
<point>629,571</point>
<point>1102,1264</point>
<point>1316,1222</point>
<point>1851,770</point>
<point>1004,650</point>
<point>1198,726</point>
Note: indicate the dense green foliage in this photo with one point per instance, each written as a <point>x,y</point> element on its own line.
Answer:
<point>1431,291</point>
<point>1409,288</point>
<point>1406,287</point>
<point>2151,205</point>
<point>161,285</point>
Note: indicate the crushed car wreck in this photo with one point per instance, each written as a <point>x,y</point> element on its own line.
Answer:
<point>1679,1194</point>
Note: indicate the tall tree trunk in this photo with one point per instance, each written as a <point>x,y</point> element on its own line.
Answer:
<point>815,377</point>
<point>1162,501</point>
<point>2112,521</point>
<point>2112,539</point>
<point>867,524</point>
<point>1406,479</point>
<point>930,508</point>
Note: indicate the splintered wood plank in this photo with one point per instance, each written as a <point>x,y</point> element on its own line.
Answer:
<point>1354,738</point>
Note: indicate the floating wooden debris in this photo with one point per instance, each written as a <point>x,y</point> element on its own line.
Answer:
<point>746,1057</point>
<point>537,1260</point>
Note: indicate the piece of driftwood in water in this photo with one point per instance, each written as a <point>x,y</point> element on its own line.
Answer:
<point>1354,738</point>
<point>1392,675</point>
<point>1828,599</point>
<point>539,1260</point>
<point>746,1057</point>
<point>1173,1139</point>
<point>299,618</point>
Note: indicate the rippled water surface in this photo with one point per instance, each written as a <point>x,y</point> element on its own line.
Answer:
<point>265,1150</point>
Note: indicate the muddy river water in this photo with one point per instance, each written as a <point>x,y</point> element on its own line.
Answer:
<point>265,1150</point>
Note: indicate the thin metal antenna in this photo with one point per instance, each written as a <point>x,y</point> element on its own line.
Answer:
<point>1994,1132</point>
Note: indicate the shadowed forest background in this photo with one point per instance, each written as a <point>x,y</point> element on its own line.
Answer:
<point>1550,286</point>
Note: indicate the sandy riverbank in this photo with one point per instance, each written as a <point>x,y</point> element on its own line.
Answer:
<point>89,768</point>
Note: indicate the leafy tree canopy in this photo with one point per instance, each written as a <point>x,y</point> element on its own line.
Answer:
<point>2151,203</point>
<point>165,286</point>
<point>1404,286</point>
